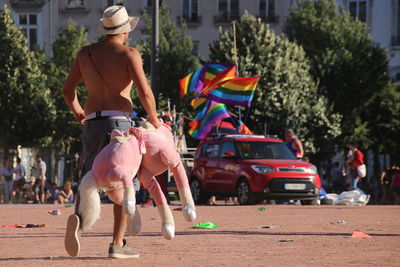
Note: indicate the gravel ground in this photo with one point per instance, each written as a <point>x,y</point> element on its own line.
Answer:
<point>318,235</point>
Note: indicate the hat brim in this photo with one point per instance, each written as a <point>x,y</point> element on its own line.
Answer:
<point>130,26</point>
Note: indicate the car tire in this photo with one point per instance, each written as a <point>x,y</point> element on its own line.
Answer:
<point>197,193</point>
<point>309,202</point>
<point>244,194</point>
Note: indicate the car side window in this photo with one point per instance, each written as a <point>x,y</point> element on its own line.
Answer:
<point>211,150</point>
<point>228,147</point>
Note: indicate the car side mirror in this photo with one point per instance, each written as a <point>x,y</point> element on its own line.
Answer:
<point>229,154</point>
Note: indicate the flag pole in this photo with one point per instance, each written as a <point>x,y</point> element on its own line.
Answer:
<point>235,58</point>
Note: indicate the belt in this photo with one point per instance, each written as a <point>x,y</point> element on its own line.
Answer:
<point>115,114</point>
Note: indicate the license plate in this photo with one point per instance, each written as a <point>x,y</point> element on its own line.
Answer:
<point>295,186</point>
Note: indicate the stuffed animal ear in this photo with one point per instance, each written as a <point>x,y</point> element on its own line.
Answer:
<point>116,133</point>
<point>137,132</point>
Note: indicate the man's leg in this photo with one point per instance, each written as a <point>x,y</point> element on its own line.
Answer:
<point>42,193</point>
<point>119,248</point>
<point>120,223</point>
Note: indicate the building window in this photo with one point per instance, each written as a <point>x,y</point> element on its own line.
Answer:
<point>149,3</point>
<point>28,23</point>
<point>358,9</point>
<point>396,23</point>
<point>75,4</point>
<point>114,3</point>
<point>228,10</point>
<point>195,50</point>
<point>267,10</point>
<point>190,10</point>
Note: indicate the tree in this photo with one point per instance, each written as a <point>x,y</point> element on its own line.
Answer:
<point>176,56</point>
<point>27,110</point>
<point>286,96</point>
<point>350,68</point>
<point>67,44</point>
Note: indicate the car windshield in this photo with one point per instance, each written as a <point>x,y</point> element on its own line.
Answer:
<point>264,150</point>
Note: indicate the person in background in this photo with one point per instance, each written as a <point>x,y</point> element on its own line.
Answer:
<point>30,192</point>
<point>66,195</point>
<point>337,178</point>
<point>19,182</point>
<point>7,179</point>
<point>41,176</point>
<point>52,193</point>
<point>357,164</point>
<point>386,182</point>
<point>395,186</point>
<point>294,143</point>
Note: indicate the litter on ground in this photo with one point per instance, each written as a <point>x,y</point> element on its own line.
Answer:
<point>205,225</point>
<point>359,234</point>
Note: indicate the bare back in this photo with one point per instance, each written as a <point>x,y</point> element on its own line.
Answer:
<point>112,92</point>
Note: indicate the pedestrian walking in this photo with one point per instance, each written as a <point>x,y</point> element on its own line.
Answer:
<point>108,69</point>
<point>357,164</point>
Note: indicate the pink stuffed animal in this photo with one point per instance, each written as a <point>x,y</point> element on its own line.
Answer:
<point>113,171</point>
<point>160,155</point>
<point>116,165</point>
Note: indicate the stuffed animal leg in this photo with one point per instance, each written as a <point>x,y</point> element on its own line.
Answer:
<point>170,157</point>
<point>134,224</point>
<point>168,225</point>
<point>181,180</point>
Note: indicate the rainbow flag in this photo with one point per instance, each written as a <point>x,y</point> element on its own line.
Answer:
<point>237,91</point>
<point>214,112</point>
<point>194,81</point>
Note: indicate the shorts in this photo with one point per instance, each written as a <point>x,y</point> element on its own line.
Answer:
<point>96,135</point>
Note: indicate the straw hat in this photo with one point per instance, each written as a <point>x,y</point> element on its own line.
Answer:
<point>32,179</point>
<point>116,20</point>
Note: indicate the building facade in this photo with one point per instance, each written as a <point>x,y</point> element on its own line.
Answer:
<point>41,19</point>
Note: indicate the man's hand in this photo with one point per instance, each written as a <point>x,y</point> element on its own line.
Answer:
<point>156,123</point>
<point>80,117</point>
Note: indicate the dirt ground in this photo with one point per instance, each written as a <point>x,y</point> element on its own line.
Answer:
<point>317,237</point>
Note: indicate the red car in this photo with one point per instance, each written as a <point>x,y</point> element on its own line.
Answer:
<point>253,168</point>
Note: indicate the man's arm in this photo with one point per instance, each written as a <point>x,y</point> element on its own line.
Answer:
<point>146,96</point>
<point>69,91</point>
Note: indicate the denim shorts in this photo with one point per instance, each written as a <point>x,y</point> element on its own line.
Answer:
<point>96,135</point>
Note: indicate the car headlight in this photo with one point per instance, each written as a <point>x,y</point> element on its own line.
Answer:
<point>312,170</point>
<point>262,168</point>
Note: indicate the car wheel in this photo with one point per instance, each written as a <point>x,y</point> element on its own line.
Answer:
<point>309,202</point>
<point>245,196</point>
<point>197,194</point>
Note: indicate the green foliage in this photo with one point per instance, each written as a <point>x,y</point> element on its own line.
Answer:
<point>67,44</point>
<point>27,110</point>
<point>176,58</point>
<point>287,94</point>
<point>350,68</point>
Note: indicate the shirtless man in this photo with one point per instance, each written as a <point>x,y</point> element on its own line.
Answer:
<point>108,69</point>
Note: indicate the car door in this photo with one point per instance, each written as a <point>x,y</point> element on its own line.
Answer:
<point>210,159</point>
<point>226,168</point>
